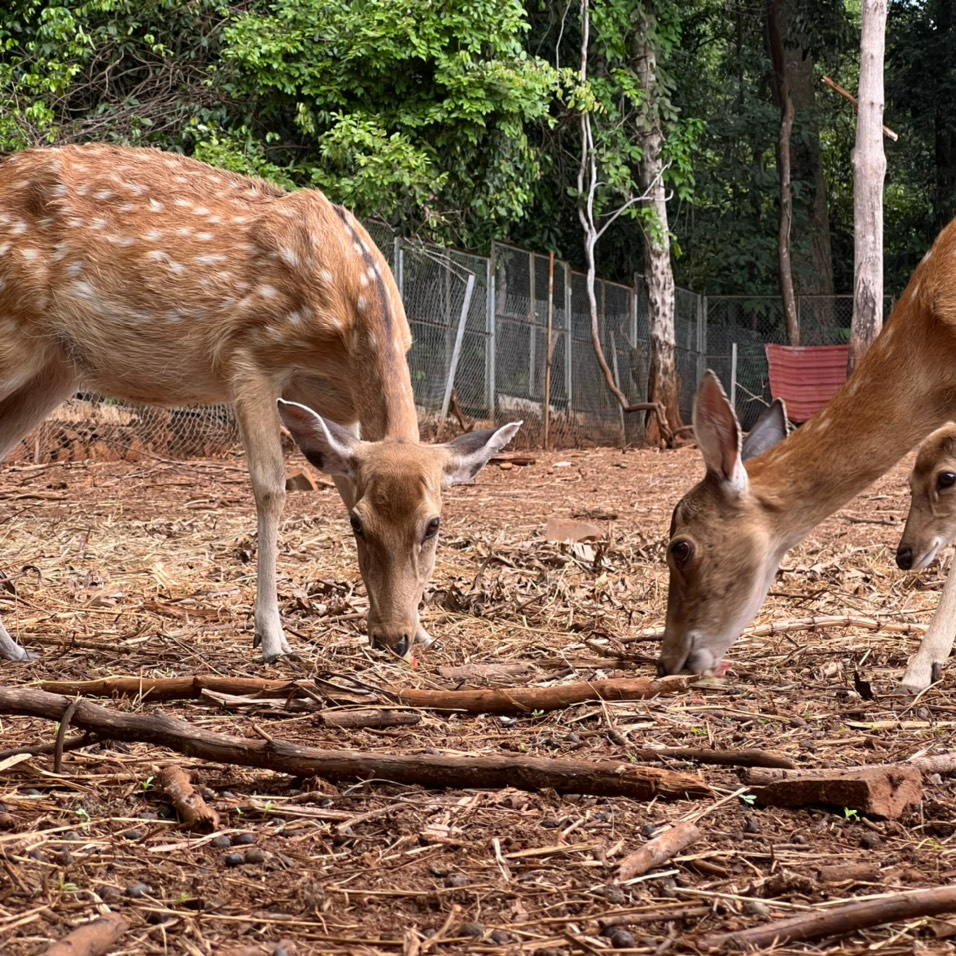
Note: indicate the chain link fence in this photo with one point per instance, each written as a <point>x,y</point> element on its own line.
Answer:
<point>492,337</point>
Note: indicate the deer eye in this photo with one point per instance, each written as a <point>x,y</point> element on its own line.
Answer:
<point>681,551</point>
<point>946,479</point>
<point>356,522</point>
<point>431,529</point>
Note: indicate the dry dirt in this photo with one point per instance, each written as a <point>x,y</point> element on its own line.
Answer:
<point>148,569</point>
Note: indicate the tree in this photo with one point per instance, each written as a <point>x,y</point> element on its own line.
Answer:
<point>663,387</point>
<point>869,170</point>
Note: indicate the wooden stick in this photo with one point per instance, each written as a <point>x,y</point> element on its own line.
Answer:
<point>196,814</point>
<point>656,851</point>
<point>799,624</point>
<point>91,939</point>
<point>566,775</point>
<point>521,700</point>
<point>839,920</point>
<point>852,99</point>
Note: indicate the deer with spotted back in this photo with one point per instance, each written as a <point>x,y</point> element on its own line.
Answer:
<point>729,533</point>
<point>150,277</point>
<point>930,527</point>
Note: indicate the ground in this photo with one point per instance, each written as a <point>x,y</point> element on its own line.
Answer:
<point>148,568</point>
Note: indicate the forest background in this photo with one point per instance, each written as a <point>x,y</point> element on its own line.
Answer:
<point>460,121</point>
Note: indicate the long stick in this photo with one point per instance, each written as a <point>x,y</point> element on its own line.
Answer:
<point>839,920</point>
<point>566,775</point>
<point>852,99</point>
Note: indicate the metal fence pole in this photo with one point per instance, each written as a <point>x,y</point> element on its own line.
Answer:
<point>569,335</point>
<point>733,375</point>
<point>702,315</point>
<point>490,326</point>
<point>456,351</point>
<point>399,266</point>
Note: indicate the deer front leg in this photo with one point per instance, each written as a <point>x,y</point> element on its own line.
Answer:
<point>937,642</point>
<point>255,404</point>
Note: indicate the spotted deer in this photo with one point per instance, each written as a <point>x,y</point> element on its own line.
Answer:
<point>154,278</point>
<point>930,527</point>
<point>729,532</point>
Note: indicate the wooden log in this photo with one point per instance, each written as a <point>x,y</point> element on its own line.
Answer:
<point>95,938</point>
<point>839,920</point>
<point>880,790</point>
<point>566,775</point>
<point>195,813</point>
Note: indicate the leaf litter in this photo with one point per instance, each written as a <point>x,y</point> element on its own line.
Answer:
<point>148,568</point>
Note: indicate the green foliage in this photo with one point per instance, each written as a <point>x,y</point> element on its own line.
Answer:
<point>415,113</point>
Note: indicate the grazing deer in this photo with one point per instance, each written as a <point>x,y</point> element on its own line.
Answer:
<point>154,278</point>
<point>930,527</point>
<point>729,533</point>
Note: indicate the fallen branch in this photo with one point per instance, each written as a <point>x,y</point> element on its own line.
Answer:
<point>195,813</point>
<point>749,757</point>
<point>475,701</point>
<point>839,920</point>
<point>566,775</point>
<point>91,939</point>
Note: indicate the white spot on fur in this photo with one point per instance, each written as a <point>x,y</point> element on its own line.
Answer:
<point>103,195</point>
<point>152,235</point>
<point>98,223</point>
<point>326,276</point>
<point>363,279</point>
<point>18,227</point>
<point>361,303</point>
<point>268,291</point>
<point>200,211</point>
<point>358,247</point>
<point>29,254</point>
<point>84,290</point>
<point>184,231</point>
<point>290,257</point>
<point>4,248</point>
<point>336,323</point>
<point>75,268</point>
<point>211,259</point>
<point>205,236</point>
<point>155,205</point>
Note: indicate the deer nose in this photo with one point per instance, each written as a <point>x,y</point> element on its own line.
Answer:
<point>400,647</point>
<point>904,557</point>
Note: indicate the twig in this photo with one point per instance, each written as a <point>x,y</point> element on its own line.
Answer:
<point>656,851</point>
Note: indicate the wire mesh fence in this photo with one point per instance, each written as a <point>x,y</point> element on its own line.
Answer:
<point>496,339</point>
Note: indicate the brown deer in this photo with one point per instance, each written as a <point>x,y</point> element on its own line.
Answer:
<point>930,527</point>
<point>150,277</point>
<point>729,532</point>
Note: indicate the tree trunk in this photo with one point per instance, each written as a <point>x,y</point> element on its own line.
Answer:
<point>869,170</point>
<point>783,169</point>
<point>663,386</point>
<point>812,260</point>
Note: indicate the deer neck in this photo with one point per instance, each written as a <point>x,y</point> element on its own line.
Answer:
<point>904,388</point>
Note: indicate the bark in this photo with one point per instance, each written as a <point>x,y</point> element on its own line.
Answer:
<point>813,260</point>
<point>783,169</point>
<point>195,813</point>
<point>663,387</point>
<point>658,850</point>
<point>565,775</point>
<point>869,170</point>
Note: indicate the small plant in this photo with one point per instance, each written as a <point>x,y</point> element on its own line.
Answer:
<point>852,816</point>
<point>748,798</point>
<point>147,784</point>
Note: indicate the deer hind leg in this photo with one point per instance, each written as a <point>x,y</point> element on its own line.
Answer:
<point>255,404</point>
<point>20,412</point>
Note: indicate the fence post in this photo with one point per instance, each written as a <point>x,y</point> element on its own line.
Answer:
<point>399,255</point>
<point>702,314</point>
<point>490,325</point>
<point>456,350</point>
<point>532,326</point>
<point>733,376</point>
<point>569,333</point>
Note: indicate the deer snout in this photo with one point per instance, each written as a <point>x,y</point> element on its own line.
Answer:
<point>904,557</point>
<point>396,643</point>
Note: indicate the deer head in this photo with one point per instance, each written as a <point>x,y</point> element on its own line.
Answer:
<point>721,552</point>
<point>393,491</point>
<point>931,522</point>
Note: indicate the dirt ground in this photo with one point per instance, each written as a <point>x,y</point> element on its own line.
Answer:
<point>148,569</point>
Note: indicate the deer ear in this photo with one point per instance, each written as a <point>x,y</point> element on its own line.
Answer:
<point>328,446</point>
<point>468,454</point>
<point>718,433</point>
<point>769,429</point>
